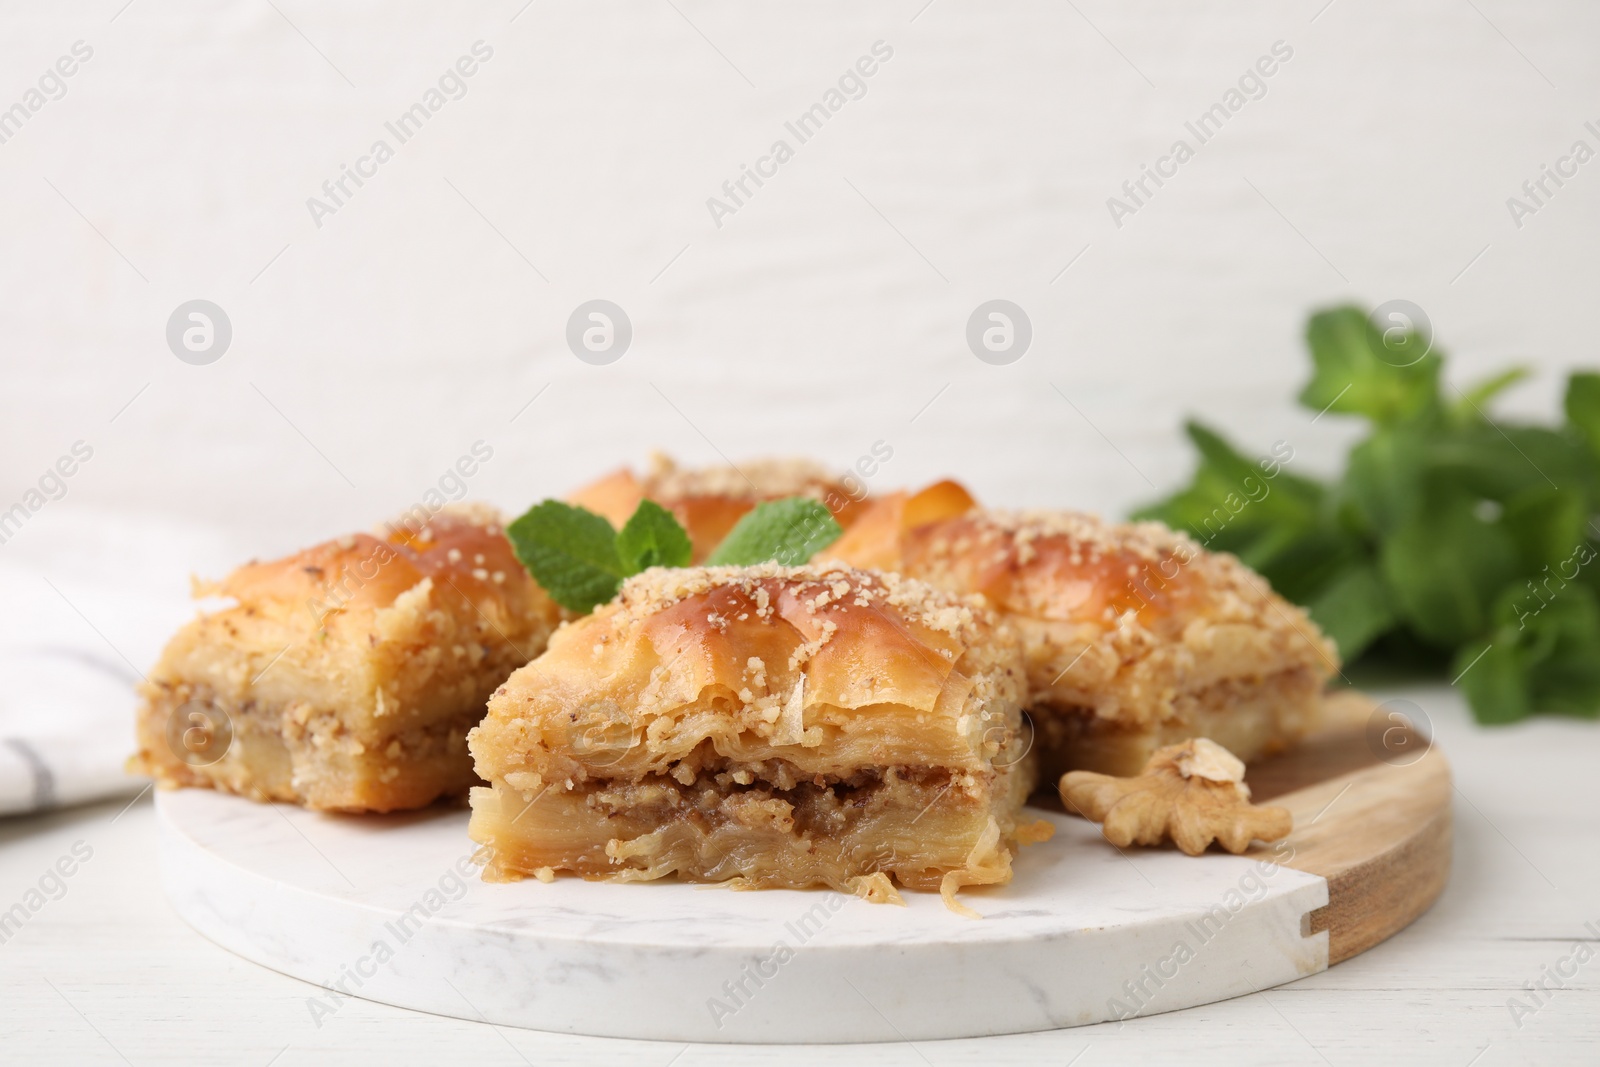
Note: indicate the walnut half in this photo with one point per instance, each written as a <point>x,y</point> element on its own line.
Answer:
<point>1193,793</point>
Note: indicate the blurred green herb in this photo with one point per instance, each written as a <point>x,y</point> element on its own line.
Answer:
<point>1453,541</point>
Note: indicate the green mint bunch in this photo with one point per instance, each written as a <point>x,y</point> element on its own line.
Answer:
<point>1453,541</point>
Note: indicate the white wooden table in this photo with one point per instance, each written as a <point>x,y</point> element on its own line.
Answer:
<point>107,973</point>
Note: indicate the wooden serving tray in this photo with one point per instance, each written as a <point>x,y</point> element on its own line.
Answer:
<point>1370,798</point>
<point>388,908</point>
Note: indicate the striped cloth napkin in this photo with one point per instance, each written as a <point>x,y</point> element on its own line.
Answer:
<point>89,599</point>
<point>65,724</point>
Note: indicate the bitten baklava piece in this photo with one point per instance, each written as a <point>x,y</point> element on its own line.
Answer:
<point>767,726</point>
<point>1135,636</point>
<point>709,501</point>
<point>346,677</point>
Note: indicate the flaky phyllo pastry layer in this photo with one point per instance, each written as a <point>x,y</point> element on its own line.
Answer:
<point>1135,636</point>
<point>764,726</point>
<point>345,677</point>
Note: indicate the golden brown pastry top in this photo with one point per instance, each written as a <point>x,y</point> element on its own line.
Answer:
<point>1072,567</point>
<point>391,628</point>
<point>463,551</point>
<point>820,669</point>
<point>1063,566</point>
<point>708,501</point>
<point>1120,617</point>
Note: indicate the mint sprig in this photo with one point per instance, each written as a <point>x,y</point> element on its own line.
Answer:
<point>581,560</point>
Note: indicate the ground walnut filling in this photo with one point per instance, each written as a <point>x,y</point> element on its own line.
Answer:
<point>916,824</point>
<point>297,752</point>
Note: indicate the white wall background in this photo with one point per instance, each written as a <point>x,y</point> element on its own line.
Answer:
<point>415,321</point>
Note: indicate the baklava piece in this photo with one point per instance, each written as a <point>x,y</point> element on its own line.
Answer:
<point>346,677</point>
<point>1135,637</point>
<point>709,501</point>
<point>766,726</point>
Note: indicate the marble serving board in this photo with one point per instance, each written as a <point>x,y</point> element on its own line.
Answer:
<point>391,909</point>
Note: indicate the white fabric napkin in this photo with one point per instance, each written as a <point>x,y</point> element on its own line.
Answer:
<point>89,599</point>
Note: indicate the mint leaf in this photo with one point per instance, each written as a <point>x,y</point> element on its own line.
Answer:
<point>1444,568</point>
<point>1304,563</point>
<point>1567,680</point>
<point>1543,656</point>
<point>1357,375</point>
<point>1475,396</point>
<point>1497,461</point>
<point>570,551</point>
<point>1494,681</point>
<point>788,531</point>
<point>1218,457</point>
<point>1553,626</point>
<point>1278,523</point>
<point>581,561</point>
<point>1235,498</point>
<point>1583,407</point>
<point>652,538</point>
<point>1354,610</point>
<point>1547,525</point>
<point>1384,478</point>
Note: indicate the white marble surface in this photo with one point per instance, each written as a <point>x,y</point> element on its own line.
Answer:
<point>391,909</point>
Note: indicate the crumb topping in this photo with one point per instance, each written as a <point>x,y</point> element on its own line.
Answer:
<point>473,512</point>
<point>817,585</point>
<point>1119,617</point>
<point>1132,563</point>
<point>760,479</point>
<point>1090,536</point>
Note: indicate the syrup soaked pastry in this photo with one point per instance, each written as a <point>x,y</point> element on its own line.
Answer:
<point>346,677</point>
<point>767,726</point>
<point>1135,637</point>
<point>709,501</point>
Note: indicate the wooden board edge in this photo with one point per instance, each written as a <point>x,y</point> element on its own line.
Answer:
<point>1373,901</point>
<point>1404,813</point>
